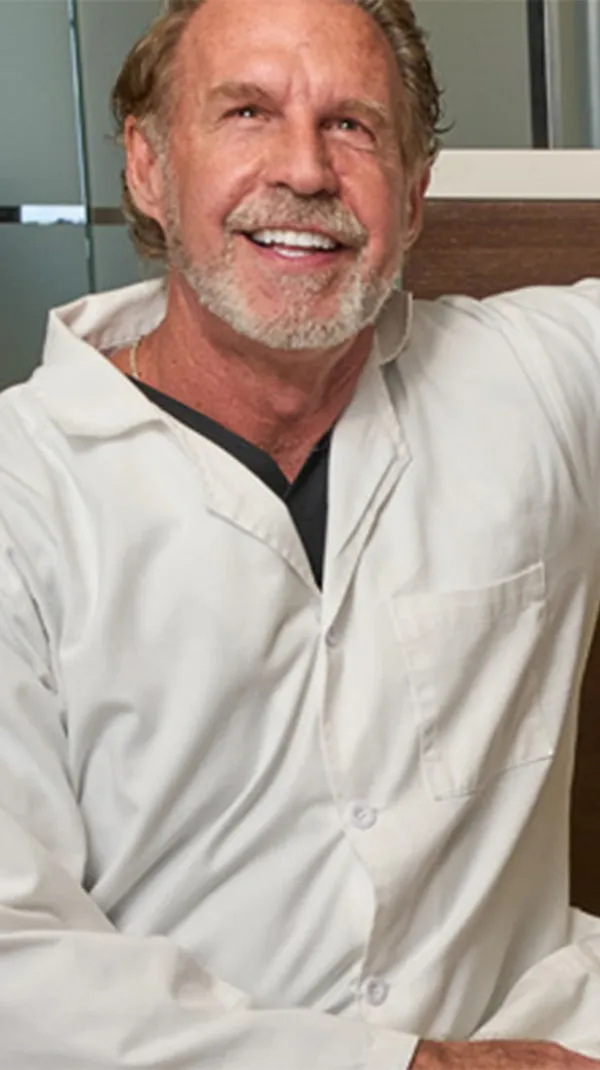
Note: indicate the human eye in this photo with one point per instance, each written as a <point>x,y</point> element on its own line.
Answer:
<point>244,111</point>
<point>349,125</point>
<point>352,128</point>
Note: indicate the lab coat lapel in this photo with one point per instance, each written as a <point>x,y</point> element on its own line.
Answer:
<point>239,497</point>
<point>369,455</point>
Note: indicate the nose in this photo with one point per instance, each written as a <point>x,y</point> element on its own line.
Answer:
<point>301,161</point>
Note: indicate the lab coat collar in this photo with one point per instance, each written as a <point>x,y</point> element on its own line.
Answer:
<point>80,389</point>
<point>87,396</point>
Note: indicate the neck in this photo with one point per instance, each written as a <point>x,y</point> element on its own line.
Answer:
<point>281,401</point>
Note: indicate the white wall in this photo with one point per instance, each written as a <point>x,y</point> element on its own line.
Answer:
<point>518,175</point>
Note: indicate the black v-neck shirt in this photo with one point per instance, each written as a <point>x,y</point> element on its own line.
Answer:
<point>305,497</point>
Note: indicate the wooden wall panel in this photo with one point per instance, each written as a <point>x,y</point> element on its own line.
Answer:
<point>484,247</point>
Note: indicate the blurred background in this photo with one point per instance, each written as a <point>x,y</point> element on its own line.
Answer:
<point>516,74</point>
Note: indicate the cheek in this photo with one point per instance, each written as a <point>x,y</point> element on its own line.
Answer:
<point>390,220</point>
<point>209,186</point>
<point>224,170</point>
<point>374,193</point>
<point>387,219</point>
<point>382,218</point>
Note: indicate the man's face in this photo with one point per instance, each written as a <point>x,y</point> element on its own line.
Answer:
<point>286,205</point>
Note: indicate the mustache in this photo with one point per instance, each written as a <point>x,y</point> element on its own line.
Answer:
<point>284,209</point>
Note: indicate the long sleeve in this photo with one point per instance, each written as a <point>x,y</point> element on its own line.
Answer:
<point>76,993</point>
<point>554,334</point>
<point>558,999</point>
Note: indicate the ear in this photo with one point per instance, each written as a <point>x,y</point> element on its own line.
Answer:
<point>144,171</point>
<point>416,205</point>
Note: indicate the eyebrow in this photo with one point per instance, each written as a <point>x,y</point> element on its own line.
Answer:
<point>372,110</point>
<point>237,90</point>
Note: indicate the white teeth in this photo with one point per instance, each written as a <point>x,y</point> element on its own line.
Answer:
<point>291,254</point>
<point>294,239</point>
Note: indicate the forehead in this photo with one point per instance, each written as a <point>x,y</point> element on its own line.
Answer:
<point>330,46</point>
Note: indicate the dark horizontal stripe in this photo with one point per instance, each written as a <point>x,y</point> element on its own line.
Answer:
<point>107,217</point>
<point>10,215</point>
<point>100,217</point>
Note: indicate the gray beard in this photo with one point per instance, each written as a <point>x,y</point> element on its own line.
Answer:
<point>294,325</point>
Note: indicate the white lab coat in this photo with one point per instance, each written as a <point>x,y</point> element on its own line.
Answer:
<point>248,825</point>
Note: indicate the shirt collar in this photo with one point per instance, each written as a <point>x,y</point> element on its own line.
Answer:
<point>393,327</point>
<point>87,396</point>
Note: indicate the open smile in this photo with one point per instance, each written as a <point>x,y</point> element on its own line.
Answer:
<point>306,248</point>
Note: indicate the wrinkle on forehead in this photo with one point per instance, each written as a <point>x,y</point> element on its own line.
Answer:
<point>336,40</point>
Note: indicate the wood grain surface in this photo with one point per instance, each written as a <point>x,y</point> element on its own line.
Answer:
<point>484,247</point>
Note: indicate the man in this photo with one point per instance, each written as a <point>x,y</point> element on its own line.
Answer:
<point>296,594</point>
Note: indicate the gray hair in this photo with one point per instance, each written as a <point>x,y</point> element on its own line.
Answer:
<point>144,90</point>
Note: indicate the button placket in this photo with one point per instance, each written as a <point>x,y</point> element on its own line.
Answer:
<point>375,991</point>
<point>362,815</point>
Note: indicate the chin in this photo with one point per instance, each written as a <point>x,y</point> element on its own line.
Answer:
<point>300,317</point>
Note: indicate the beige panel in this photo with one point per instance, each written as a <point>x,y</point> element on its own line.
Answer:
<point>40,267</point>
<point>107,30</point>
<point>38,162</point>
<point>116,263</point>
<point>480,48</point>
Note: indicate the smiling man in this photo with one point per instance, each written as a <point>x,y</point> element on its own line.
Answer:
<point>283,173</point>
<point>297,581</point>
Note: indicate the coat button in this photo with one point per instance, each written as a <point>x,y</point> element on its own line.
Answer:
<point>362,815</point>
<point>375,991</point>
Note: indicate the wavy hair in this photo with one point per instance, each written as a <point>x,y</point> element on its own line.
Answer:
<point>145,90</point>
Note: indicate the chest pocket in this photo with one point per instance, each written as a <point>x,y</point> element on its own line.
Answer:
<point>471,662</point>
